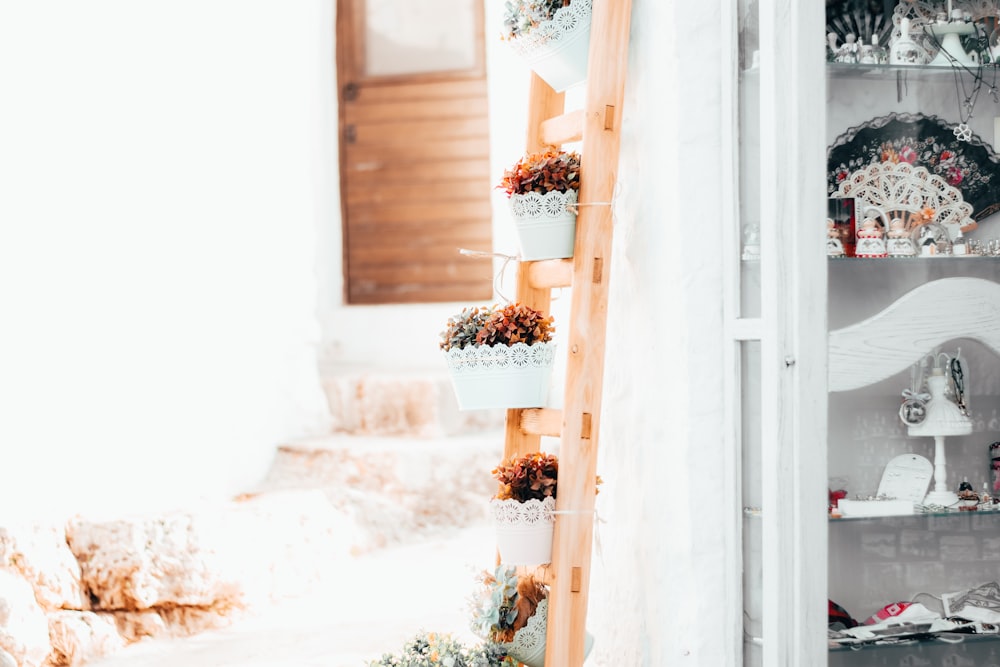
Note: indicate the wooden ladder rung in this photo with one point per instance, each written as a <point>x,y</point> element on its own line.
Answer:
<point>541,421</point>
<point>563,129</point>
<point>550,273</point>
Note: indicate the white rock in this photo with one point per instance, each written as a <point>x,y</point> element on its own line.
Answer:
<point>134,564</point>
<point>41,555</point>
<point>80,636</point>
<point>169,622</point>
<point>24,630</point>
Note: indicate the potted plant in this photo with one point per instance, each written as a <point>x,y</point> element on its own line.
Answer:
<point>523,508</point>
<point>552,37</point>
<point>512,611</point>
<point>499,356</point>
<point>430,649</point>
<point>542,192</point>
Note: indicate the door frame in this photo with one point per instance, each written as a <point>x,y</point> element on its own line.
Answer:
<point>791,331</point>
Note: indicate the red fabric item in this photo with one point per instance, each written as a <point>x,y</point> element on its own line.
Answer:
<point>888,611</point>
<point>839,615</point>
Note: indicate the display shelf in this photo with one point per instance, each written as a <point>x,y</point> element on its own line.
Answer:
<point>918,519</point>
<point>912,73</point>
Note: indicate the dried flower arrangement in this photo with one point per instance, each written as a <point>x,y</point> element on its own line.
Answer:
<point>531,476</point>
<point>431,649</point>
<point>497,325</point>
<point>550,171</point>
<point>523,16</point>
<point>504,603</point>
<point>523,478</point>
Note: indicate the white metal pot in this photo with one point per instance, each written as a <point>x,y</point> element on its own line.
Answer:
<point>546,224</point>
<point>528,645</point>
<point>501,376</point>
<point>558,50</point>
<point>524,530</point>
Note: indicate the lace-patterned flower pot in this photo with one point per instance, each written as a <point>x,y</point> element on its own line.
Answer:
<point>498,376</point>
<point>557,50</point>
<point>528,646</point>
<point>524,530</point>
<point>546,225</point>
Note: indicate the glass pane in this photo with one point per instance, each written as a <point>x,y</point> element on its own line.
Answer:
<point>750,354</point>
<point>749,128</point>
<point>408,37</point>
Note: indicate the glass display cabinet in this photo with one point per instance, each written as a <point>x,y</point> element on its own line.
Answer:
<point>911,144</point>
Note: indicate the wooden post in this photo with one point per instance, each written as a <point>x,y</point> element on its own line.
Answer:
<point>571,555</point>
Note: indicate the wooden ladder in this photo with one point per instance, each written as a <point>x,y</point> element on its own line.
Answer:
<point>598,125</point>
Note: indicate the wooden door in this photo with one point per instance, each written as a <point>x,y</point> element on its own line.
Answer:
<point>414,150</point>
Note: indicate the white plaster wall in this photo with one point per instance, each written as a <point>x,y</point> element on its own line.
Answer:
<point>657,582</point>
<point>161,184</point>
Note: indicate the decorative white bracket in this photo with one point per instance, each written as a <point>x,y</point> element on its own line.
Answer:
<point>913,326</point>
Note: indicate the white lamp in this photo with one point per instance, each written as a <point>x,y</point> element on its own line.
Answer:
<point>943,418</point>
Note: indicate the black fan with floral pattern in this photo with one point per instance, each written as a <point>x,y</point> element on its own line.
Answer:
<point>924,141</point>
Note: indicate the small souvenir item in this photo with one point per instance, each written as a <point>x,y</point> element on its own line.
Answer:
<point>995,466</point>
<point>831,46</point>
<point>899,243</point>
<point>914,407</point>
<point>904,51</point>
<point>834,248</point>
<point>881,55</point>
<point>867,54</point>
<point>870,241</point>
<point>931,239</point>
<point>841,211</point>
<point>849,51</point>
<point>958,246</point>
<point>968,499</point>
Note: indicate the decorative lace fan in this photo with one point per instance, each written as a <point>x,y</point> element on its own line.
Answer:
<point>924,141</point>
<point>895,190</point>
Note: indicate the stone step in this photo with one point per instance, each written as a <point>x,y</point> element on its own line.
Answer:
<point>394,489</point>
<point>400,404</point>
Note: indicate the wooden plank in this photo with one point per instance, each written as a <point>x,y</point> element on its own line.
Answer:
<point>424,271</point>
<point>364,294</point>
<point>572,543</point>
<point>421,130</point>
<point>393,111</point>
<point>439,90</point>
<point>419,212</point>
<point>416,152</point>
<point>550,273</point>
<point>541,421</point>
<point>563,129</point>
<point>386,171</point>
<point>472,190</point>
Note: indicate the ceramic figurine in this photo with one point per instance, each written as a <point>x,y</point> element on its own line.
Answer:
<point>870,241</point>
<point>899,243</point>
<point>849,52</point>
<point>867,55</point>
<point>904,51</point>
<point>831,46</point>
<point>834,247</point>
<point>881,55</point>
